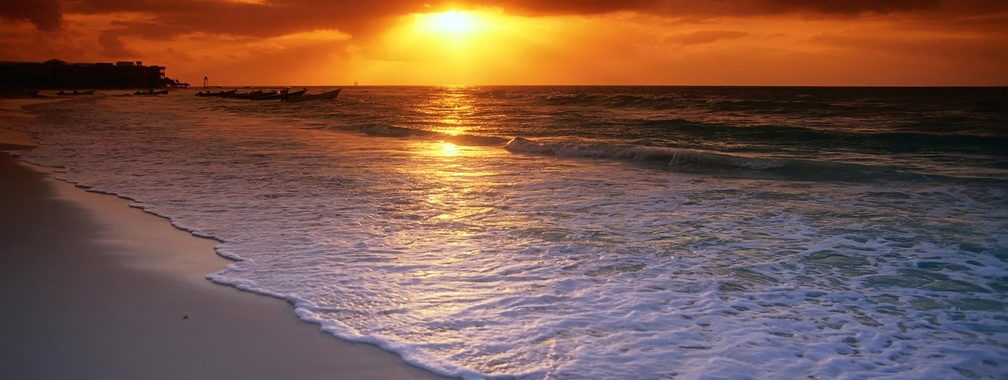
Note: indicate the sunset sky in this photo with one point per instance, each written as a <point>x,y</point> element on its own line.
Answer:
<point>489,42</point>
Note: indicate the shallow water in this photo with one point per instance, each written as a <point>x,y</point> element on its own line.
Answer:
<point>637,232</point>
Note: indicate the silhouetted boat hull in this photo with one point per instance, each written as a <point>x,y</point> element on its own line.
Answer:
<point>269,96</point>
<point>277,95</point>
<point>151,92</point>
<point>247,95</point>
<point>75,92</point>
<point>304,98</point>
<point>297,93</point>
<point>221,94</point>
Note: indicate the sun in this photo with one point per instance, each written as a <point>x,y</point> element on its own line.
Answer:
<point>451,22</point>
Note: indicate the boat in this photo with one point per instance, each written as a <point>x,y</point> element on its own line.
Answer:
<point>279,95</point>
<point>248,95</point>
<point>271,95</point>
<point>151,92</point>
<point>75,92</point>
<point>266,95</point>
<point>297,93</point>
<point>220,94</point>
<point>304,98</point>
<point>260,95</point>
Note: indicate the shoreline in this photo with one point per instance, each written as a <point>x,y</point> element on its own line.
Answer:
<point>96,289</point>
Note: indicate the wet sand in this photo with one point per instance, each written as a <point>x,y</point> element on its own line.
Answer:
<point>94,289</point>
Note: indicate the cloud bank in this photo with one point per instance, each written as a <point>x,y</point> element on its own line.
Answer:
<point>279,17</point>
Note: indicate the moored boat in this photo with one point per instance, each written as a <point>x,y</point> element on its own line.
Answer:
<point>219,94</point>
<point>279,94</point>
<point>269,95</point>
<point>297,93</point>
<point>151,92</point>
<point>304,98</point>
<point>75,92</point>
<point>248,95</point>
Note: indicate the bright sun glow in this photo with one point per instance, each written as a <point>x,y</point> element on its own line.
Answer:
<point>449,150</point>
<point>457,47</point>
<point>453,22</point>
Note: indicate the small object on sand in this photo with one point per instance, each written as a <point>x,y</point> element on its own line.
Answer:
<point>185,316</point>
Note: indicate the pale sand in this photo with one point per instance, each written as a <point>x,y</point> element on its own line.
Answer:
<point>93,289</point>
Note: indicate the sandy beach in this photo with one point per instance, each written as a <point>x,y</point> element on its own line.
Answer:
<point>94,289</point>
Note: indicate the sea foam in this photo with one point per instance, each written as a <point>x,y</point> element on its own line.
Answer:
<point>479,262</point>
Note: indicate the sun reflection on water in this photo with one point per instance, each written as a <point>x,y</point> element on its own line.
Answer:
<point>449,111</point>
<point>449,149</point>
<point>451,203</point>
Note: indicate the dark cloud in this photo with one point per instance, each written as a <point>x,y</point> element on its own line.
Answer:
<point>44,14</point>
<point>169,18</point>
<point>749,7</point>
<point>268,19</point>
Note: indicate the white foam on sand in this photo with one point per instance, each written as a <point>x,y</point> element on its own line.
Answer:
<point>479,263</point>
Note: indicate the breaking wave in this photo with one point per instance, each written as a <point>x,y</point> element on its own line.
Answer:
<point>715,163</point>
<point>679,157</point>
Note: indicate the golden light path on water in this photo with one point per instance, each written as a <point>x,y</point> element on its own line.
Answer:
<point>455,187</point>
<point>456,197</point>
<point>452,110</point>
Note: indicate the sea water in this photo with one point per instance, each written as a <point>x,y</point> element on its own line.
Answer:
<point>591,232</point>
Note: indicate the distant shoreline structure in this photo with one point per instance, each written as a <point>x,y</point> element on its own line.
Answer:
<point>56,74</point>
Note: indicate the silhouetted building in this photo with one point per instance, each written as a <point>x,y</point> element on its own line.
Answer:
<point>56,74</point>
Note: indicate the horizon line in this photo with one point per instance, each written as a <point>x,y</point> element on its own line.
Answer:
<point>608,85</point>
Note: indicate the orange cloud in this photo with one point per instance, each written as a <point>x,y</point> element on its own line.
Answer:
<point>761,42</point>
<point>706,36</point>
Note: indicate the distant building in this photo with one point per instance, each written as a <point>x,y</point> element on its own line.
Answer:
<point>56,74</point>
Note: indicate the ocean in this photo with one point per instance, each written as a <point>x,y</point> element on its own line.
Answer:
<point>591,232</point>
